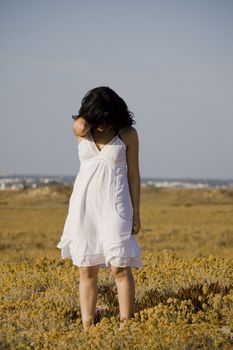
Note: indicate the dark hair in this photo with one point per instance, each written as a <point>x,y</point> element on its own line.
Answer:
<point>102,105</point>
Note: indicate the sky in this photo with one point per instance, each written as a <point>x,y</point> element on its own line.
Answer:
<point>170,60</point>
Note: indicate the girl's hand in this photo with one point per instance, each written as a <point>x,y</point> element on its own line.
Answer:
<point>136,225</point>
<point>81,127</point>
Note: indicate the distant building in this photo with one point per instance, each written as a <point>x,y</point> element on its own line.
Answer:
<point>12,184</point>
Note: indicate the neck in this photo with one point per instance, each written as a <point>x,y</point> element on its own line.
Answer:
<point>107,131</point>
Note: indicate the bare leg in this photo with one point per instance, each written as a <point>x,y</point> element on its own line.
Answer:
<point>88,292</point>
<point>126,292</point>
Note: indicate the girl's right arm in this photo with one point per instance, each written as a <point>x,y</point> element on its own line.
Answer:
<point>81,127</point>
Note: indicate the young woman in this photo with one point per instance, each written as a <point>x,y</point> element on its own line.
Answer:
<point>104,207</point>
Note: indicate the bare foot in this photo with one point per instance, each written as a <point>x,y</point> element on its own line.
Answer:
<point>123,323</point>
<point>88,323</point>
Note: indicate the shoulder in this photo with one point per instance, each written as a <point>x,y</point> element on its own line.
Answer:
<point>128,130</point>
<point>76,131</point>
<point>129,135</point>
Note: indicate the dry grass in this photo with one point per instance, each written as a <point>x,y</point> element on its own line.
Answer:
<point>184,294</point>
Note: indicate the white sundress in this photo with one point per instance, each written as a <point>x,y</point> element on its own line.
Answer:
<point>98,227</point>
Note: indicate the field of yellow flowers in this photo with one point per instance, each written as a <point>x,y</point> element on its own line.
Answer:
<point>184,292</point>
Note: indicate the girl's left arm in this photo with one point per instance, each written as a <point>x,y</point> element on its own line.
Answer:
<point>134,179</point>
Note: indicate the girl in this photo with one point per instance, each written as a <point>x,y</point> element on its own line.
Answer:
<point>104,207</point>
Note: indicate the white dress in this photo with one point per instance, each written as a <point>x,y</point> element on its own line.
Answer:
<point>98,227</point>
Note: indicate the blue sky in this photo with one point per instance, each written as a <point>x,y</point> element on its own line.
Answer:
<point>171,61</point>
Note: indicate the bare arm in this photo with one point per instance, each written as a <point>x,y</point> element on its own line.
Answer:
<point>134,179</point>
